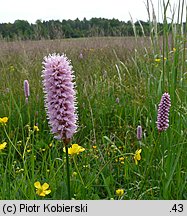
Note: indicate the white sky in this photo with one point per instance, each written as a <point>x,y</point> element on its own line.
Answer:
<point>31,10</point>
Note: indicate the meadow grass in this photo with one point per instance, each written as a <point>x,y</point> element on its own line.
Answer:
<point>119,82</point>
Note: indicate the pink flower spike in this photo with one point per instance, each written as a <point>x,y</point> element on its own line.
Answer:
<point>26,90</point>
<point>60,96</point>
<point>163,112</point>
<point>139,132</point>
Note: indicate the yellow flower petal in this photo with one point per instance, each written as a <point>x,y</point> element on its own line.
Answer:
<point>47,192</point>
<point>36,128</point>
<point>157,60</point>
<point>74,149</point>
<point>4,120</point>
<point>40,193</point>
<point>3,145</point>
<point>37,185</point>
<point>119,192</point>
<point>137,156</point>
<point>41,190</point>
<point>45,186</point>
<point>139,151</point>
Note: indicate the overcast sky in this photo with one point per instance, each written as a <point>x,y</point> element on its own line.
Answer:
<point>31,10</point>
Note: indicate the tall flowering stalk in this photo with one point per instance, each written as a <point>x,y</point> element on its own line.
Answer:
<point>163,112</point>
<point>60,100</point>
<point>26,90</point>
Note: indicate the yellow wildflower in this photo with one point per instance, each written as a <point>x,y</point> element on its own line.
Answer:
<point>36,128</point>
<point>3,120</point>
<point>94,147</point>
<point>119,192</point>
<point>41,190</point>
<point>121,159</point>
<point>3,145</point>
<point>137,156</point>
<point>157,60</point>
<point>174,49</point>
<point>74,149</point>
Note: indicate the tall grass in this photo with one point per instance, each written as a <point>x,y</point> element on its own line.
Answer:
<point>119,85</point>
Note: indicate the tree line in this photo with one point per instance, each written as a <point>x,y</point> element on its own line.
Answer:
<point>54,29</point>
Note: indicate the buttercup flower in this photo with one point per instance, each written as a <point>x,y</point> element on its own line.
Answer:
<point>137,156</point>
<point>50,145</point>
<point>119,192</point>
<point>3,145</point>
<point>163,112</point>
<point>36,128</point>
<point>60,102</point>
<point>3,120</point>
<point>157,60</point>
<point>42,190</point>
<point>74,149</point>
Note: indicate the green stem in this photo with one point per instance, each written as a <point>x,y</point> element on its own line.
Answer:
<point>146,172</point>
<point>163,175</point>
<point>12,142</point>
<point>77,169</point>
<point>68,175</point>
<point>126,154</point>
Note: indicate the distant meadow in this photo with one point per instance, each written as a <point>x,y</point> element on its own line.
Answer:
<point>96,118</point>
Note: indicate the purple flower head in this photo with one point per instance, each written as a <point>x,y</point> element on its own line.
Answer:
<point>163,112</point>
<point>59,90</point>
<point>139,132</point>
<point>26,90</point>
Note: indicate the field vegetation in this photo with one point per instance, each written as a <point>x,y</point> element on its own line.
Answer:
<point>119,84</point>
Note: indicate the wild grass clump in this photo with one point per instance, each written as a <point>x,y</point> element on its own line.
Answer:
<point>118,152</point>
